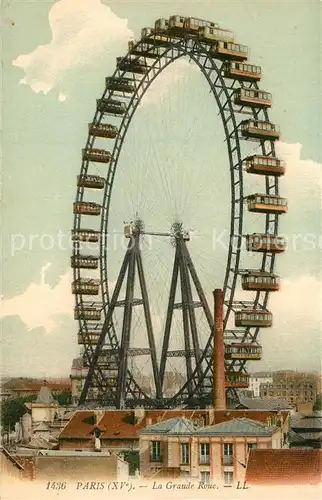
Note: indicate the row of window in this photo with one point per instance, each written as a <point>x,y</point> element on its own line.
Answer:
<point>86,259</point>
<point>243,350</point>
<point>86,233</point>
<point>204,452</point>
<point>268,240</point>
<point>247,68</point>
<point>193,21</point>
<point>92,338</point>
<point>262,160</point>
<point>96,315</point>
<point>254,316</point>
<point>228,477</point>
<point>103,127</point>
<point>97,152</point>
<point>234,47</point>
<point>269,280</point>
<point>89,310</point>
<point>268,200</point>
<point>88,287</point>
<point>92,330</point>
<point>119,80</point>
<point>111,102</point>
<point>218,32</point>
<point>131,63</point>
<point>89,207</point>
<point>258,94</point>
<point>90,178</point>
<point>300,387</point>
<point>237,377</point>
<point>259,124</point>
<point>289,392</point>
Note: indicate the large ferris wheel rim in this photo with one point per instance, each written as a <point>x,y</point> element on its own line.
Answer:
<point>182,47</point>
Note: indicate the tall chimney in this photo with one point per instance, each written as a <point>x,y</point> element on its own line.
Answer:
<point>219,393</point>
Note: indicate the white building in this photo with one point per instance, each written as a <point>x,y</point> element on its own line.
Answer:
<point>256,379</point>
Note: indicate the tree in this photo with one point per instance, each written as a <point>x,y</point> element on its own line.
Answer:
<point>318,403</point>
<point>133,459</point>
<point>64,398</point>
<point>12,410</point>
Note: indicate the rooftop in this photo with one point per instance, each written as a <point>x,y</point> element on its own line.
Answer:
<point>172,426</point>
<point>41,427</point>
<point>269,404</point>
<point>71,453</point>
<point>284,467</point>
<point>308,423</point>
<point>126,424</point>
<point>34,385</point>
<point>238,427</point>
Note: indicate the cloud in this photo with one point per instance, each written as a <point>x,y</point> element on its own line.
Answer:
<point>32,353</point>
<point>303,177</point>
<point>40,305</point>
<point>82,31</point>
<point>62,97</point>
<point>295,339</point>
<point>162,85</point>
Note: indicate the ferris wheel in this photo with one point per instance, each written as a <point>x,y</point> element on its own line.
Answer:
<point>152,194</point>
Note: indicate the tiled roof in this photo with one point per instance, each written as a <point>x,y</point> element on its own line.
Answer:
<point>115,424</point>
<point>308,423</point>
<point>12,459</point>
<point>295,437</point>
<point>33,385</point>
<point>237,427</point>
<point>41,427</point>
<point>120,424</point>
<point>260,415</point>
<point>172,426</point>
<point>311,436</point>
<point>270,404</point>
<point>28,466</point>
<point>284,467</point>
<point>39,442</point>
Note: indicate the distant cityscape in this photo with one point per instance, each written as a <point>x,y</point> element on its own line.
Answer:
<point>276,422</point>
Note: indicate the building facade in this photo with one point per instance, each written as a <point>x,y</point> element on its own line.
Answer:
<point>255,381</point>
<point>216,454</point>
<point>293,391</point>
<point>120,428</point>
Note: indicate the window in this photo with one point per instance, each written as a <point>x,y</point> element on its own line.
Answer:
<point>228,478</point>
<point>205,476</point>
<point>252,446</point>
<point>185,453</point>
<point>156,451</point>
<point>204,453</point>
<point>228,454</point>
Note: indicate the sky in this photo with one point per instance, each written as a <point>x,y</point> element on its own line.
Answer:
<point>55,58</point>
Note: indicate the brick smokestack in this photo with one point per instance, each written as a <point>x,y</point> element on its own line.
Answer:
<point>219,394</point>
